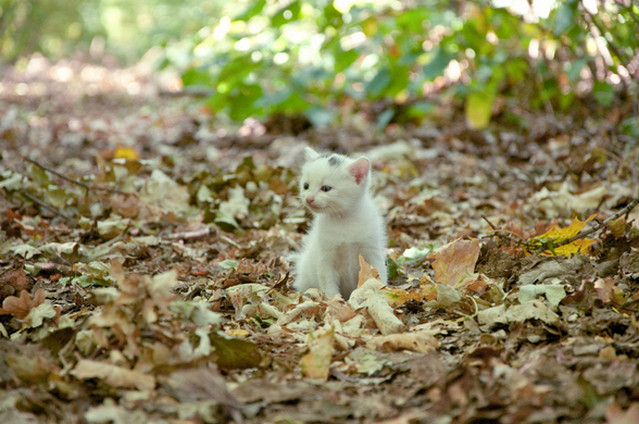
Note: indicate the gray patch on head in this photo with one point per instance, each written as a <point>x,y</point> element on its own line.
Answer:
<point>334,161</point>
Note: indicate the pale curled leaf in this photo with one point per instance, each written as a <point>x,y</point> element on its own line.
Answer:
<point>316,363</point>
<point>554,293</point>
<point>25,250</point>
<point>533,309</point>
<point>417,341</point>
<point>115,414</point>
<point>39,314</point>
<point>113,375</point>
<point>371,297</point>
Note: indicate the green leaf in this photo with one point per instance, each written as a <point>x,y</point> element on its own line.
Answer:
<point>376,86</point>
<point>436,66</point>
<point>321,117</point>
<point>253,10</point>
<point>565,17</point>
<point>193,76</point>
<point>242,103</point>
<point>604,93</point>
<point>384,118</point>
<point>286,14</point>
<point>344,59</point>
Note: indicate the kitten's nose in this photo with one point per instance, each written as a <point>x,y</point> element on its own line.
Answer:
<point>310,200</point>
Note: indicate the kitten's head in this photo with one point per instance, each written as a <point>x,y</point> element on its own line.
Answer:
<point>333,183</point>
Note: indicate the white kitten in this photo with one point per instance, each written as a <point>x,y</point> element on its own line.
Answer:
<point>347,224</point>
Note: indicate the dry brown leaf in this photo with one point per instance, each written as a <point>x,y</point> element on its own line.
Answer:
<point>455,262</point>
<point>366,271</point>
<point>113,375</point>
<point>20,306</point>
<point>607,290</point>
<point>12,281</point>
<point>615,415</point>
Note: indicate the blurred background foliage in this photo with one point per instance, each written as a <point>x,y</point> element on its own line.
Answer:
<point>318,58</point>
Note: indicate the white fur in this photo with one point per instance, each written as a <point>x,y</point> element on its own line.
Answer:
<point>347,224</point>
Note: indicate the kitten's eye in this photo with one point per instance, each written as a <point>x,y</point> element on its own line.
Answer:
<point>305,186</point>
<point>326,188</point>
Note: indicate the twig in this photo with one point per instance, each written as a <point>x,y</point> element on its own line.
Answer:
<point>86,186</point>
<point>44,205</point>
<point>54,172</point>
<point>583,233</point>
<point>497,233</point>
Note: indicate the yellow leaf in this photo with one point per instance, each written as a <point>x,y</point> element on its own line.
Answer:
<point>557,235</point>
<point>125,153</point>
<point>237,332</point>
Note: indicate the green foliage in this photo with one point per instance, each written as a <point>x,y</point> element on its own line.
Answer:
<point>126,28</point>
<point>264,57</point>
<point>308,56</point>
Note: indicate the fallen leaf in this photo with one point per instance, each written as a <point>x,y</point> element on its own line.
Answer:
<point>125,153</point>
<point>371,297</point>
<point>232,353</point>
<point>316,363</point>
<point>113,375</point>
<point>115,414</point>
<point>366,271</point>
<point>39,314</point>
<point>607,291</point>
<point>21,306</point>
<point>417,341</point>
<point>615,415</point>
<point>557,235</point>
<point>455,262</point>
<point>533,309</point>
<point>15,279</point>
<point>555,293</point>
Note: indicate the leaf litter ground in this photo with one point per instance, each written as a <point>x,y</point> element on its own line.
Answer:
<point>144,275</point>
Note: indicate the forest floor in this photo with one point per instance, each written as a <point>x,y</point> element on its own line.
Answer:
<point>143,270</point>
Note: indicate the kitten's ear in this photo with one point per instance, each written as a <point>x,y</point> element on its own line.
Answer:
<point>310,154</point>
<point>360,169</point>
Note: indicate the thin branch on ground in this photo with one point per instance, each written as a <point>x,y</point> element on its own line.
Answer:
<point>552,245</point>
<point>583,233</point>
<point>54,172</point>
<point>502,235</point>
<point>88,187</point>
<point>44,205</point>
